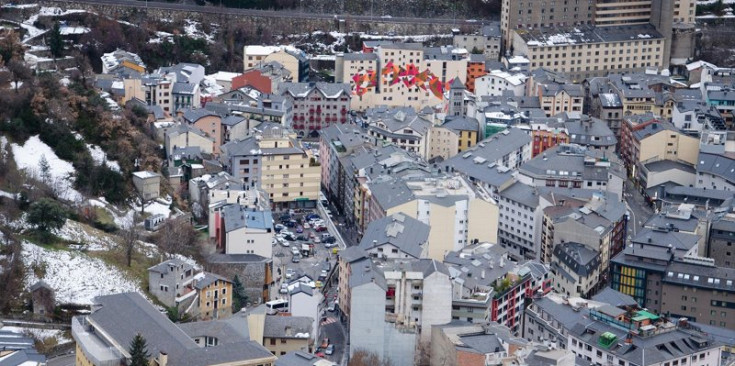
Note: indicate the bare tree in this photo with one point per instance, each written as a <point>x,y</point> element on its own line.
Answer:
<point>177,235</point>
<point>365,358</point>
<point>128,240</point>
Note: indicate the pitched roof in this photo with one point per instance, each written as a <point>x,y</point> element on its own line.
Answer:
<point>720,165</point>
<point>193,115</point>
<point>287,326</point>
<point>405,233</point>
<point>614,298</point>
<point>301,90</point>
<point>299,358</point>
<point>237,217</point>
<point>577,257</point>
<point>169,265</point>
<point>462,124</point>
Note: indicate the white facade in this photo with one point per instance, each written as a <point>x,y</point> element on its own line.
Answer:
<point>303,304</point>
<point>711,181</point>
<point>250,241</point>
<point>497,81</point>
<point>686,119</point>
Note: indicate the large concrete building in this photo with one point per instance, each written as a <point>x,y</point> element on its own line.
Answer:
<point>317,105</point>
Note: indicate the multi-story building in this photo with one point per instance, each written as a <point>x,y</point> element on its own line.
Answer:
<point>317,105</point>
<point>656,152</point>
<point>350,260</point>
<point>716,171</point>
<point>530,15</point>
<point>468,344</point>
<point>208,122</point>
<point>264,77</point>
<point>103,337</point>
<point>400,126</point>
<point>476,67</point>
<point>580,51</point>
<point>170,281</point>
<point>592,133</point>
<point>336,142</point>
<point>721,240</point>
<point>486,42</point>
<point>395,305</point>
<point>519,220</point>
<point>556,93</point>
<point>396,237</point>
<point>185,135</point>
<point>571,165</point>
<point>292,59</point>
<point>452,137</point>
<point>213,296</point>
<point>576,269</point>
<point>238,230</point>
<point>275,162</point>
<point>547,137</point>
<point>604,104</point>
<point>494,287</point>
<point>498,82</point>
<point>283,334</point>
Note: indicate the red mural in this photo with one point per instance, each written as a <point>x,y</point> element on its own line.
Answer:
<point>407,75</point>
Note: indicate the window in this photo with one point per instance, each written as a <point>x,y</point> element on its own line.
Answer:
<point>273,341</point>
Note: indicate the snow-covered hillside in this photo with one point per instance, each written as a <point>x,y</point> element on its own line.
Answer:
<point>61,173</point>
<point>75,276</point>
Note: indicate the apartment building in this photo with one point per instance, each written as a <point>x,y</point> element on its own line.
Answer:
<point>350,260</point>
<point>284,334</point>
<point>604,104</point>
<point>571,165</point>
<point>395,237</point>
<point>292,59</point>
<point>585,51</point>
<point>317,105</point>
<point>452,137</point>
<point>529,15</point>
<point>498,82</point>
<point>721,239</point>
<point>184,135</point>
<point>716,171</point>
<point>213,296</point>
<point>656,152</point>
<point>546,136</point>
<point>336,142</point>
<point>476,67</point>
<point>576,269</point>
<point>276,163</point>
<point>103,337</point>
<point>239,230</point>
<point>468,344</point>
<point>592,133</point>
<point>389,311</point>
<point>401,126</point>
<point>486,42</point>
<point>265,77</point>
<point>556,92</point>
<point>170,281</point>
<point>208,122</point>
<point>348,66</point>
<point>520,216</point>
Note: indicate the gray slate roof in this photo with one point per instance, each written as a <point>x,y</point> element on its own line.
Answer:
<point>237,217</point>
<point>614,298</point>
<point>328,90</point>
<point>578,257</point>
<point>165,267</point>
<point>462,124</point>
<point>193,115</point>
<point>405,233</point>
<point>299,358</point>
<point>286,326</point>
<point>722,166</point>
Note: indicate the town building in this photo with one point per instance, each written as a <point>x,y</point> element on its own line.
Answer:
<point>264,77</point>
<point>292,59</point>
<point>400,126</point>
<point>498,82</point>
<point>238,230</point>
<point>486,42</point>
<point>555,91</point>
<point>208,122</point>
<point>452,137</point>
<point>103,337</point>
<point>470,344</point>
<point>184,135</point>
<point>276,163</point>
<point>317,105</point>
<point>148,184</point>
<point>576,269</point>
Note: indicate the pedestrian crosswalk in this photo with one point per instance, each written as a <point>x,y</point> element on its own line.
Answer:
<point>329,320</point>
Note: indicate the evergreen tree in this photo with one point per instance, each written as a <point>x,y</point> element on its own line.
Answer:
<point>56,43</point>
<point>46,214</point>
<point>45,169</point>
<point>239,299</point>
<point>138,351</point>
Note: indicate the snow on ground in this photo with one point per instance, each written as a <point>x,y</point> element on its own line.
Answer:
<point>75,277</point>
<point>67,30</point>
<point>192,30</point>
<point>32,32</point>
<point>19,6</point>
<point>99,157</point>
<point>160,37</point>
<point>155,207</point>
<point>61,172</point>
<point>40,334</point>
<point>54,11</point>
<point>94,240</point>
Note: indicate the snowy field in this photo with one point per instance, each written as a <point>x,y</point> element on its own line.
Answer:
<point>76,277</point>
<point>99,157</point>
<point>40,334</point>
<point>28,157</point>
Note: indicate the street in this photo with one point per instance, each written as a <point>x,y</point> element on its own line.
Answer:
<point>639,210</point>
<point>333,329</point>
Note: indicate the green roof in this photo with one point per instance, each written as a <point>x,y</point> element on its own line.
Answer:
<point>607,339</point>
<point>643,315</point>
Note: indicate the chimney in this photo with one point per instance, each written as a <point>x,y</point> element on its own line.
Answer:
<point>162,358</point>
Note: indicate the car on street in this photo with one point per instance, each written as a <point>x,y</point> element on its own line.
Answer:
<point>296,259</point>
<point>330,245</point>
<point>302,237</point>
<point>312,216</point>
<point>294,250</point>
<point>289,237</point>
<point>289,273</point>
<point>329,350</point>
<point>329,239</point>
<point>283,242</point>
<point>284,288</point>
<point>331,307</point>
<point>317,240</point>
<point>320,229</point>
<point>299,229</point>
<point>386,17</point>
<point>326,266</point>
<point>279,227</point>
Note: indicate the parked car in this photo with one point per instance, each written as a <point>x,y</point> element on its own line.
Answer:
<point>296,259</point>
<point>299,229</point>
<point>320,229</point>
<point>307,226</point>
<point>302,237</point>
<point>312,216</point>
<point>329,350</point>
<point>329,239</point>
<point>326,266</point>
<point>289,273</point>
<point>295,250</point>
<point>331,307</point>
<point>330,244</point>
<point>284,288</point>
<point>283,242</point>
<point>289,237</point>
<point>279,227</point>
<point>285,217</point>
<point>317,240</point>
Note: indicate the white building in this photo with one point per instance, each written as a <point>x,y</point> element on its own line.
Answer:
<point>497,81</point>
<point>240,231</point>
<point>304,301</point>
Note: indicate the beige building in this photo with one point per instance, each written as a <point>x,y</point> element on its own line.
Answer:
<point>148,184</point>
<point>185,135</point>
<point>534,14</point>
<point>452,137</point>
<point>583,52</point>
<point>276,163</point>
<point>292,59</point>
<point>486,41</point>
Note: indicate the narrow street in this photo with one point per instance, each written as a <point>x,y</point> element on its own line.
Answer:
<point>639,210</point>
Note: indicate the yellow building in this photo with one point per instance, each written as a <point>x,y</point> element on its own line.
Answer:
<point>214,295</point>
<point>281,334</point>
<point>453,137</point>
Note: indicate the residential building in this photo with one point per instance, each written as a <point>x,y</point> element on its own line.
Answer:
<point>571,165</point>
<point>170,282</point>
<point>401,126</point>
<point>148,184</point>
<point>486,42</point>
<point>317,105</point>
<point>276,163</point>
<point>213,296</point>
<point>283,334</point>
<point>556,93</point>
<point>485,289</point>
<point>292,59</point>
<point>265,77</point>
<point>396,236</point>
<point>185,135</point>
<point>576,50</point>
<point>389,311</point>
<point>520,15</point>
<point>520,216</point>
<point>604,103</point>
<point>103,337</point>
<point>722,97</point>
<point>468,344</point>
<point>498,82</point>
<point>299,358</point>
<point>592,133</point>
<point>238,230</point>
<point>208,122</point>
<point>576,269</point>
<point>716,171</point>
<point>692,116</point>
<point>43,300</point>
<point>548,319</point>
<point>721,239</point>
<point>475,69</point>
<point>447,63</point>
<point>350,260</point>
<point>348,66</point>
<point>336,142</point>
<point>546,137</point>
<point>114,61</point>
<point>306,302</point>
<point>452,137</point>
<point>656,152</point>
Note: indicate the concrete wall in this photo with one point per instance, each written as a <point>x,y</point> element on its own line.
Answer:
<point>368,319</point>
<point>250,241</point>
<point>437,303</point>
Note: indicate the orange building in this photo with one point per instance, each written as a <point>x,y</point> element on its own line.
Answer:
<point>543,139</point>
<point>475,69</point>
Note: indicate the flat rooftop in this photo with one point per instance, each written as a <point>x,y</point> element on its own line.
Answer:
<point>555,36</point>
